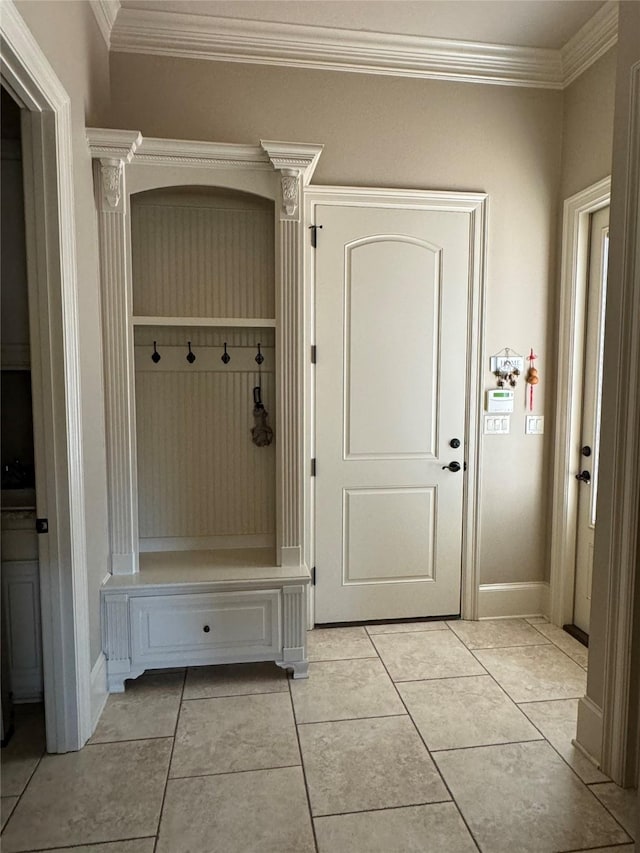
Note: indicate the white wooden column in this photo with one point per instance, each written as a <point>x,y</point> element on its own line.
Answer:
<point>112,151</point>
<point>295,164</point>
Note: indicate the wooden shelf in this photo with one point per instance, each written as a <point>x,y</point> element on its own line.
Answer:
<point>211,322</point>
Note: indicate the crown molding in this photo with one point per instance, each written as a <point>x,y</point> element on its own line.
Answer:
<point>178,152</point>
<point>590,42</point>
<point>292,45</point>
<point>105,13</point>
<point>108,144</point>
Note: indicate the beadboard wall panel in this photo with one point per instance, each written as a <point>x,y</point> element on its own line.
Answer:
<point>202,260</point>
<point>199,474</point>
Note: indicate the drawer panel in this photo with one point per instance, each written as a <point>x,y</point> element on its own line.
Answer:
<point>173,628</point>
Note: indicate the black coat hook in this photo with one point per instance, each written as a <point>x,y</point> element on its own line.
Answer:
<point>190,357</point>
<point>259,357</point>
<point>155,358</point>
<point>225,357</point>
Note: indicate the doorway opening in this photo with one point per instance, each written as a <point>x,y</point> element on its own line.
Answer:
<point>22,717</point>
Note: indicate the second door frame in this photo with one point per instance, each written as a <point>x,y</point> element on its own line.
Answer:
<point>576,227</point>
<point>474,204</point>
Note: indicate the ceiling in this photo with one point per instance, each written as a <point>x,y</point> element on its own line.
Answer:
<point>523,23</point>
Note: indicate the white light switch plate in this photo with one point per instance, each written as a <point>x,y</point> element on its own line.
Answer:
<point>534,425</point>
<point>496,424</point>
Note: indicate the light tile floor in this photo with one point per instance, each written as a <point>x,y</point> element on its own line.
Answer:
<point>438,737</point>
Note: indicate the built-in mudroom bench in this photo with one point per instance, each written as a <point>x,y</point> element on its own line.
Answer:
<point>202,311</point>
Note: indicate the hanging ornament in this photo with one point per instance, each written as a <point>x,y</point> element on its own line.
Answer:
<point>532,377</point>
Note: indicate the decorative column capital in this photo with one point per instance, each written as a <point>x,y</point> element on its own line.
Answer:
<point>296,162</point>
<point>113,149</point>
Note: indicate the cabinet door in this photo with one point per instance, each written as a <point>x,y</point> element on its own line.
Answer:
<point>21,604</point>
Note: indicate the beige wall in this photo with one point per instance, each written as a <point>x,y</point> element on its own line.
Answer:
<point>394,132</point>
<point>587,132</point>
<point>68,35</point>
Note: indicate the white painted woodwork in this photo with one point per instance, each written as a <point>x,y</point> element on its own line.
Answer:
<point>234,39</point>
<point>118,362</point>
<point>21,597</point>
<point>591,414</point>
<point>156,618</point>
<point>199,473</point>
<point>199,627</point>
<point>202,254</point>
<point>392,291</point>
<point>506,600</point>
<point>21,612</point>
<point>183,435</point>
<point>55,371</point>
<point>571,346</point>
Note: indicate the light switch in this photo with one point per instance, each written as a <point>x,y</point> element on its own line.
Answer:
<point>534,425</point>
<point>496,424</point>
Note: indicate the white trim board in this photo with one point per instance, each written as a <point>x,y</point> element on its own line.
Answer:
<point>572,311</point>
<point>229,39</point>
<point>99,692</point>
<point>507,600</point>
<point>55,370</point>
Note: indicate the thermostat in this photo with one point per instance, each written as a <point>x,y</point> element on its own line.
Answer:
<point>500,400</point>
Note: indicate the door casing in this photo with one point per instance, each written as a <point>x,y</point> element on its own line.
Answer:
<point>475,204</point>
<point>576,230</point>
<point>53,316</point>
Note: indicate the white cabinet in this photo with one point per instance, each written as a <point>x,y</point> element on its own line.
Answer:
<point>201,258</point>
<point>21,604</point>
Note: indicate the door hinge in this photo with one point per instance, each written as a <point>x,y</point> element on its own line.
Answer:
<point>313,467</point>
<point>42,525</point>
<point>313,576</point>
<point>314,235</point>
<point>313,354</point>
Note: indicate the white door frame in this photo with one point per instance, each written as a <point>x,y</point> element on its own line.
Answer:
<point>55,370</point>
<point>576,227</point>
<point>475,204</point>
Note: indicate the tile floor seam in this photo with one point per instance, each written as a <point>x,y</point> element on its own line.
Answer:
<point>607,809</point>
<point>350,719</point>
<point>388,808</point>
<point>560,647</point>
<point>408,631</point>
<point>127,740</point>
<point>497,648</point>
<point>486,745</point>
<point>438,771</point>
<point>233,695</point>
<point>96,844</point>
<point>233,772</point>
<point>595,849</point>
<point>337,660</point>
<point>304,772</point>
<point>173,746</point>
<point>26,785</point>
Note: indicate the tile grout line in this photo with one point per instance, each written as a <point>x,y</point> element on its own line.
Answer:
<point>558,646</point>
<point>304,772</point>
<point>233,695</point>
<point>28,782</point>
<point>438,771</point>
<point>608,810</point>
<point>234,772</point>
<point>173,746</point>
<point>96,844</point>
<point>391,808</point>
<point>349,719</point>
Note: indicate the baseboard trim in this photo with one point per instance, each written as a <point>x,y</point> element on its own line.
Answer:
<point>506,600</point>
<point>588,737</point>
<point>99,693</point>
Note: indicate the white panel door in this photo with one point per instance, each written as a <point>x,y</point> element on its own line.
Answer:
<point>591,400</point>
<point>392,286</point>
